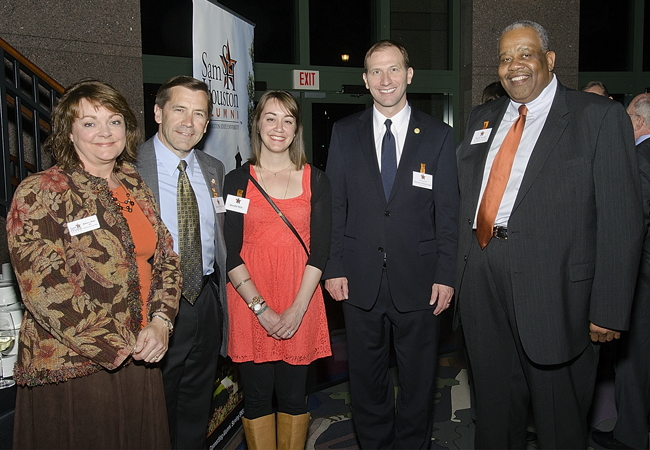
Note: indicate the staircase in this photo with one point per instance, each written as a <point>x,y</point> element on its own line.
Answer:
<point>27,96</point>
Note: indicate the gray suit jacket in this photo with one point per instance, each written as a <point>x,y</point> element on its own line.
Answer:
<point>576,228</point>
<point>211,168</point>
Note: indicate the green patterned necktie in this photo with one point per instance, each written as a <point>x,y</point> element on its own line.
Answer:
<point>189,236</point>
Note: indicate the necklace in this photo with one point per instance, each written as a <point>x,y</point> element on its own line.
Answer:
<point>275,174</point>
<point>128,202</point>
<point>288,180</point>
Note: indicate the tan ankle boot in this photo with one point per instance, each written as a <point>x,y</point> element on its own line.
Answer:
<point>260,432</point>
<point>292,431</point>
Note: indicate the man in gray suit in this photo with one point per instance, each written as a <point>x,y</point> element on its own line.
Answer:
<point>182,111</point>
<point>633,358</point>
<point>555,260</point>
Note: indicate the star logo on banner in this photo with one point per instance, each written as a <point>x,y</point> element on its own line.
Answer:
<point>228,67</point>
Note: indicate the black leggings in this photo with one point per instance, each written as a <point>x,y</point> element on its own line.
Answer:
<point>260,379</point>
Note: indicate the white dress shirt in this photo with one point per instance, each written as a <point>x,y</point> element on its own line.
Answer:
<point>641,139</point>
<point>538,110</point>
<point>167,166</point>
<point>399,128</point>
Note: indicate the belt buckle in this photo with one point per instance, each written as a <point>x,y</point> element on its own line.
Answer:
<point>500,233</point>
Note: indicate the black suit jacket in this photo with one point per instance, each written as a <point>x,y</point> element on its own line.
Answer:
<point>575,231</point>
<point>416,228</point>
<point>643,158</point>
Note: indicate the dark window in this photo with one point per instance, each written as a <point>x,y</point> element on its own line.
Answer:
<point>606,35</point>
<point>167,27</point>
<point>275,28</point>
<point>423,28</point>
<point>340,27</point>
<point>436,105</point>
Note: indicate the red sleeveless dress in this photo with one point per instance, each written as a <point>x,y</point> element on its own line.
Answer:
<point>276,262</point>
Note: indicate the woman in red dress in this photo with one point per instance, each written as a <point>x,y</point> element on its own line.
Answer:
<point>277,315</point>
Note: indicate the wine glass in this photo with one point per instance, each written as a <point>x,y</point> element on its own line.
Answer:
<point>7,338</point>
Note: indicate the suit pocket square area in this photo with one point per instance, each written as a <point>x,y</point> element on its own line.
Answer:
<point>581,272</point>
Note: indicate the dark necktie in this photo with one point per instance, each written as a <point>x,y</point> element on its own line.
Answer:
<point>189,236</point>
<point>499,176</point>
<point>388,159</point>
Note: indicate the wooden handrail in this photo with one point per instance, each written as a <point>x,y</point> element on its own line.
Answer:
<point>25,62</point>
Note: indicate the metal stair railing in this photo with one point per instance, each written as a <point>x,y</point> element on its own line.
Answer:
<point>27,97</point>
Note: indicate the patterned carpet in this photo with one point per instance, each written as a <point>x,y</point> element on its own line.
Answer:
<point>332,429</point>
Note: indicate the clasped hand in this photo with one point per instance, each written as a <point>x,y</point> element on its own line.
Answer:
<point>283,325</point>
<point>151,344</point>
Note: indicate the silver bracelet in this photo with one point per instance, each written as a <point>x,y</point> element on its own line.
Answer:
<point>170,325</point>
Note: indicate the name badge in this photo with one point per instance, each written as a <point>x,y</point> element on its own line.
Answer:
<point>219,206</point>
<point>237,204</point>
<point>422,180</point>
<point>83,225</point>
<point>481,136</point>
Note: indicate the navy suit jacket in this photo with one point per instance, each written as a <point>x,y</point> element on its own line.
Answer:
<point>416,227</point>
<point>576,227</point>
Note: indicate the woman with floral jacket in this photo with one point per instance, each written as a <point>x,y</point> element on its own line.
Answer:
<point>100,282</point>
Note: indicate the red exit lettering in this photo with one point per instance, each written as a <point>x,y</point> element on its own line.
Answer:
<point>307,79</point>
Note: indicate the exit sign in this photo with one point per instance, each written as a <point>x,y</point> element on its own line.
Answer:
<point>306,79</point>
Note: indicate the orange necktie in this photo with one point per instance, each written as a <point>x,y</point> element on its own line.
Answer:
<point>499,175</point>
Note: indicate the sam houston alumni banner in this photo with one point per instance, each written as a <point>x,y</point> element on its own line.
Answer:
<point>223,58</point>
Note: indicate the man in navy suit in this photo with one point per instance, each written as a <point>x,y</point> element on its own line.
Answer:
<point>558,263</point>
<point>395,212</point>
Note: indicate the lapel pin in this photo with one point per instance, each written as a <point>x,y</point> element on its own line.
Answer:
<point>417,131</point>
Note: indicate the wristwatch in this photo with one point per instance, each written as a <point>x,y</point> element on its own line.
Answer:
<point>257,305</point>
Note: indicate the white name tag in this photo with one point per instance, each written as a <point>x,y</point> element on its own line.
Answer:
<point>237,204</point>
<point>219,206</point>
<point>422,180</point>
<point>83,225</point>
<point>481,136</point>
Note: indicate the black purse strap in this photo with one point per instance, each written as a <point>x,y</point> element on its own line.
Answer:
<point>277,210</point>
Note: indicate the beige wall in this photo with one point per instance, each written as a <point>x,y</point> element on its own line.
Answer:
<point>74,39</point>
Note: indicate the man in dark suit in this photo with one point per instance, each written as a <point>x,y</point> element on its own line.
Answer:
<point>552,258</point>
<point>395,210</point>
<point>633,355</point>
<point>182,111</point>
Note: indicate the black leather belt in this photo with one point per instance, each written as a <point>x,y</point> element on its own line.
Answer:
<point>500,233</point>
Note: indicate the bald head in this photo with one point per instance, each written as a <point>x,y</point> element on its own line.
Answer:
<point>639,112</point>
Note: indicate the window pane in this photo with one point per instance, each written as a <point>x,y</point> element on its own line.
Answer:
<point>436,105</point>
<point>275,28</point>
<point>340,27</point>
<point>605,36</point>
<point>167,27</point>
<point>423,28</point>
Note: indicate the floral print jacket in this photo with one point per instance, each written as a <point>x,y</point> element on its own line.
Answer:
<point>82,292</point>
